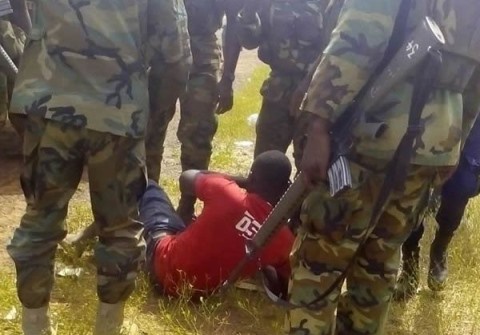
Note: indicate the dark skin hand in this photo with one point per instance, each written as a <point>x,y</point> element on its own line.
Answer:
<point>316,155</point>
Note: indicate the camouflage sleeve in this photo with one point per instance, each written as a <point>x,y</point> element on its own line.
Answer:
<point>168,43</point>
<point>356,47</point>
<point>12,39</point>
<point>249,31</point>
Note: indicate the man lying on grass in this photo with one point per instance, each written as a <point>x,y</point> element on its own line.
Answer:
<point>202,253</point>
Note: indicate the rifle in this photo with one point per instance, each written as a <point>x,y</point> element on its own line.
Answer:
<point>416,49</point>
<point>6,63</point>
<point>283,210</point>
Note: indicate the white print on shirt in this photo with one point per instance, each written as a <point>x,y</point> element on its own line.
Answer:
<point>248,226</point>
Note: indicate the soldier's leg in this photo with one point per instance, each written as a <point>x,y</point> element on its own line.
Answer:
<point>117,181</point>
<point>163,98</point>
<point>52,170</point>
<point>274,129</point>
<point>198,125</point>
<point>457,191</point>
<point>408,280</point>
<point>330,232</point>
<point>364,307</point>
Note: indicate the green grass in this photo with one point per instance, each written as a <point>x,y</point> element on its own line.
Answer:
<point>455,311</point>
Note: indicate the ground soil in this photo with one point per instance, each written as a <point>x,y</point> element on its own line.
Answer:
<point>12,203</point>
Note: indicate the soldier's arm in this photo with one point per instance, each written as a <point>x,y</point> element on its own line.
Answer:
<point>249,28</point>
<point>168,44</point>
<point>356,47</point>
<point>231,53</point>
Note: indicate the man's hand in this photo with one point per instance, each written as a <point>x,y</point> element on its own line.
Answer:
<point>316,155</point>
<point>225,96</point>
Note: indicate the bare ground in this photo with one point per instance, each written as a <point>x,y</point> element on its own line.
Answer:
<point>12,204</point>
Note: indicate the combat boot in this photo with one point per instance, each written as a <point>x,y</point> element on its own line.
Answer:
<point>36,321</point>
<point>438,271</point>
<point>407,283</point>
<point>110,320</point>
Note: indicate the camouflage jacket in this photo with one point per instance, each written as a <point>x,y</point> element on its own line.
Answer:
<point>204,20</point>
<point>356,48</point>
<point>288,34</point>
<point>290,37</point>
<point>85,61</point>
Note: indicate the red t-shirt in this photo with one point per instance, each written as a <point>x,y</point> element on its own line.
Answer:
<point>207,251</point>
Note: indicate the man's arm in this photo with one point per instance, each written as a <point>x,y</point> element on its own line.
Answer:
<point>231,53</point>
<point>188,180</point>
<point>356,48</point>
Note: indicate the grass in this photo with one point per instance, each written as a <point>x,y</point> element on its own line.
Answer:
<point>455,311</point>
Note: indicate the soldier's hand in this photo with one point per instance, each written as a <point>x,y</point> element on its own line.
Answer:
<point>316,155</point>
<point>225,96</point>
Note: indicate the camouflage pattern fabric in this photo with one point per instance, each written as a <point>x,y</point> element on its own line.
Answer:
<point>331,231</point>
<point>333,227</point>
<point>12,40</point>
<point>290,37</point>
<point>275,128</point>
<point>356,48</point>
<point>55,154</point>
<point>198,122</point>
<point>88,57</point>
<point>82,84</point>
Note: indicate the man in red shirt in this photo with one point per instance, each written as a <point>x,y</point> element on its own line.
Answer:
<point>203,252</point>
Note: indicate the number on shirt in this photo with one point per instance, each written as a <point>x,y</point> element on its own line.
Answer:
<point>248,226</point>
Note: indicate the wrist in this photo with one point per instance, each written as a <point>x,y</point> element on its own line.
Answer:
<point>319,125</point>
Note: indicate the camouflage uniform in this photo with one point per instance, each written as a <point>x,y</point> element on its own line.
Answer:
<point>83,85</point>
<point>198,122</point>
<point>12,39</point>
<point>290,37</point>
<point>333,227</point>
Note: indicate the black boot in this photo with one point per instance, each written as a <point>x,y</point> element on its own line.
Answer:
<point>437,274</point>
<point>407,283</point>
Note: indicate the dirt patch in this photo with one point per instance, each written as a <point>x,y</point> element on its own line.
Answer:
<point>12,204</point>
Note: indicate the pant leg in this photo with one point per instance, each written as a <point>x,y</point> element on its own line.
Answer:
<point>198,123</point>
<point>158,216</point>
<point>52,170</point>
<point>456,192</point>
<point>117,181</point>
<point>332,229</point>
<point>322,252</point>
<point>274,129</point>
<point>364,307</point>
<point>163,98</point>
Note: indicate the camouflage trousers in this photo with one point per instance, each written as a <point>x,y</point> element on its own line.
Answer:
<point>55,155</point>
<point>198,122</point>
<point>331,231</point>
<point>276,127</point>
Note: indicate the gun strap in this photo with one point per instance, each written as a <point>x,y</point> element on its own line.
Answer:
<point>349,118</point>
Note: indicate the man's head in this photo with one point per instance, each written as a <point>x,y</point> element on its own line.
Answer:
<point>270,175</point>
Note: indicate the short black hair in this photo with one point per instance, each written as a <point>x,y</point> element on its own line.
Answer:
<point>271,172</point>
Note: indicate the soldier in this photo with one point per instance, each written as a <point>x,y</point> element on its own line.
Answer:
<point>82,84</point>
<point>290,36</point>
<point>336,238</point>
<point>455,195</point>
<point>198,122</point>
